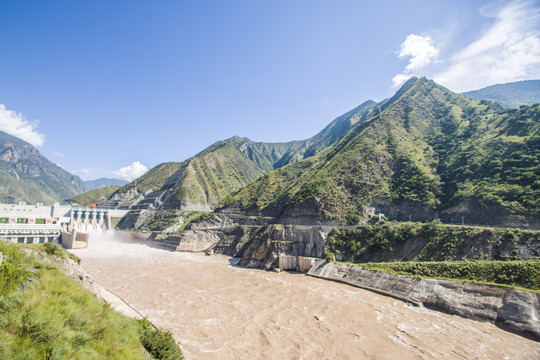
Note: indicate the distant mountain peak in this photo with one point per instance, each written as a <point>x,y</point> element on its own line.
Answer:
<point>509,95</point>
<point>103,182</point>
<point>26,175</point>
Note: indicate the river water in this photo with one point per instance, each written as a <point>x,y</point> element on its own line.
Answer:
<point>219,311</point>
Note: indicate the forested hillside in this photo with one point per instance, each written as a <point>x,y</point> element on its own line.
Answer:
<point>425,150</point>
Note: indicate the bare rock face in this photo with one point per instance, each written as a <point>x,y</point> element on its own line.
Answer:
<point>123,200</point>
<point>187,205</point>
<point>263,250</point>
<point>469,300</point>
<point>403,209</point>
<point>515,310</point>
<point>477,211</point>
<point>520,312</point>
<point>198,240</point>
<point>218,221</point>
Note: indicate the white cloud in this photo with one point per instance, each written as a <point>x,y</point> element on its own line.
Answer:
<point>421,51</point>
<point>131,172</point>
<point>17,125</point>
<point>59,154</point>
<point>508,51</point>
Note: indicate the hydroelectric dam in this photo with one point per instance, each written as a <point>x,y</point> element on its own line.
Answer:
<point>24,223</point>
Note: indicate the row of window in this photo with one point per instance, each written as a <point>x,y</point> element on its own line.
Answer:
<point>32,240</point>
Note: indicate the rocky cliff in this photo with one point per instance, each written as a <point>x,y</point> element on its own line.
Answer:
<point>265,246</point>
<point>514,310</point>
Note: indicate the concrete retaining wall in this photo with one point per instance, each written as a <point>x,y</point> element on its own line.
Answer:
<point>296,263</point>
<point>74,240</point>
<point>514,310</point>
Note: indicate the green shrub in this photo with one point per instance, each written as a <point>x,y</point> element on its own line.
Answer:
<point>159,344</point>
<point>14,271</point>
<point>54,249</point>
<point>524,274</point>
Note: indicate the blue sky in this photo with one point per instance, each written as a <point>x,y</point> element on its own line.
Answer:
<point>110,88</point>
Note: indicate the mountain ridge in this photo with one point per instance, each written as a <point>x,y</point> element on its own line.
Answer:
<point>410,153</point>
<point>103,182</point>
<point>509,95</point>
<point>202,181</point>
<point>27,176</point>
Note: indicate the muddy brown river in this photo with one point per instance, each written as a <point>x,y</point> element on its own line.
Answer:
<point>219,311</point>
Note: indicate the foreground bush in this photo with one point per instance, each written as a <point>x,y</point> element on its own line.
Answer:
<point>159,344</point>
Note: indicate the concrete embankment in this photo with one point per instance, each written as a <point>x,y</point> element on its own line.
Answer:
<point>514,310</point>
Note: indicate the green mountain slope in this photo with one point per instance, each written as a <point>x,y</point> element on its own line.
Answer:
<point>221,169</point>
<point>26,175</point>
<point>428,151</point>
<point>200,182</point>
<point>510,95</point>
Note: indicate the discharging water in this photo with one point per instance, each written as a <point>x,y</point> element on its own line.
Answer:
<point>218,311</point>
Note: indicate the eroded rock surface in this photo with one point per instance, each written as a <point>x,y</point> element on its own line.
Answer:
<point>512,309</point>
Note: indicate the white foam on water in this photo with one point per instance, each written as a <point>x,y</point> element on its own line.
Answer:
<point>112,244</point>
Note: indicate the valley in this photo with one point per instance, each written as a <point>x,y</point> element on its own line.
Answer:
<point>424,192</point>
<point>270,180</point>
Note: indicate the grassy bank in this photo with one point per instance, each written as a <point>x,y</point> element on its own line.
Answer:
<point>519,274</point>
<point>45,315</point>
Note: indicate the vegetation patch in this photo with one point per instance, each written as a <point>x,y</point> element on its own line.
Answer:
<point>46,315</point>
<point>159,344</point>
<point>115,221</point>
<point>521,274</point>
<point>407,241</point>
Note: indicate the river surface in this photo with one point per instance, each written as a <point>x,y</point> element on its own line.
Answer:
<point>219,311</point>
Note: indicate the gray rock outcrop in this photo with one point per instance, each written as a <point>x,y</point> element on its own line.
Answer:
<point>514,310</point>
<point>198,240</point>
<point>273,240</point>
